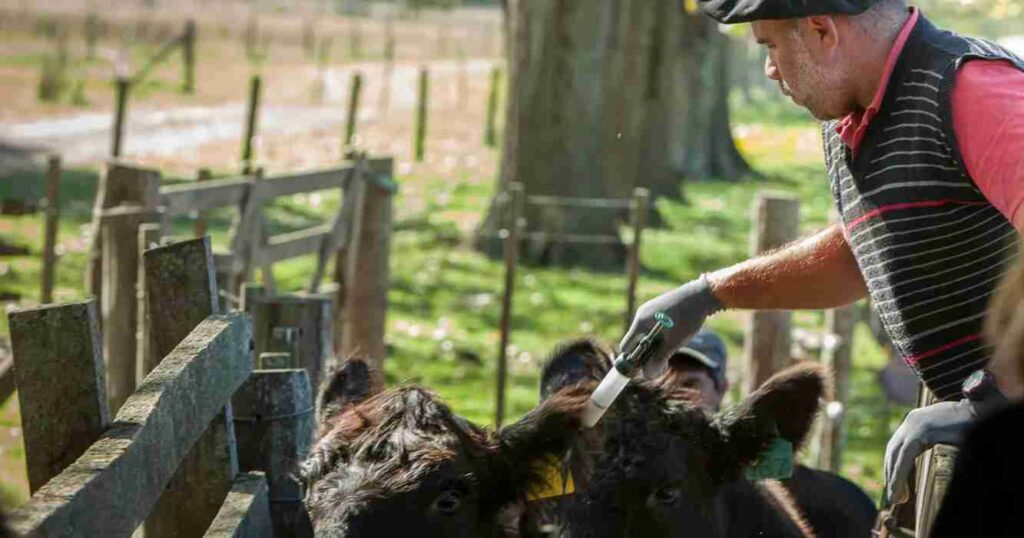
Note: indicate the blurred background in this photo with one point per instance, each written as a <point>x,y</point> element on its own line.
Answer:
<point>584,99</point>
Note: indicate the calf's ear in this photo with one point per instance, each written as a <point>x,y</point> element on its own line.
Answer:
<point>516,460</point>
<point>783,407</point>
<point>351,383</point>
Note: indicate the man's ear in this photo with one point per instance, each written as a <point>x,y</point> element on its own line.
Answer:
<point>546,432</point>
<point>823,32</point>
<point>351,383</point>
<point>783,407</point>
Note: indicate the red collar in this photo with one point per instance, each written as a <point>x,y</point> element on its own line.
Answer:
<point>851,129</point>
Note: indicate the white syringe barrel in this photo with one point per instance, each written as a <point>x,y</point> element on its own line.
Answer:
<point>603,397</point>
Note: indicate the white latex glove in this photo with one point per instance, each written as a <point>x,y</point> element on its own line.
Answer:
<point>688,306</point>
<point>941,423</point>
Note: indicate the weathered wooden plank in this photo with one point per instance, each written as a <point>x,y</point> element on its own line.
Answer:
<point>299,325</point>
<point>117,481</point>
<point>275,428</point>
<point>246,510</point>
<point>149,237</point>
<point>61,388</point>
<point>202,196</point>
<point>182,292</point>
<point>290,245</point>
<point>365,286</point>
<point>312,181</point>
<point>341,228</point>
<point>119,300</point>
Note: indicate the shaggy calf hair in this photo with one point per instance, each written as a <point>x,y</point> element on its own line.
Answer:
<point>400,463</point>
<point>659,465</point>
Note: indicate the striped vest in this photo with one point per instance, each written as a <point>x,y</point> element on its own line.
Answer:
<point>931,248</point>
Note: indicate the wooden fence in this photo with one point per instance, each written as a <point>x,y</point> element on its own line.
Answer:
<point>204,445</point>
<point>93,477</point>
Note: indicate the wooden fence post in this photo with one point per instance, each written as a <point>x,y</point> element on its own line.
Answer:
<point>355,40</point>
<point>121,184</point>
<point>776,221</point>
<point>641,199</point>
<point>837,352</point>
<point>362,292</point>
<point>463,84</point>
<point>122,85</point>
<point>389,65</point>
<point>252,114</point>
<point>119,301</point>
<point>149,237</point>
<point>275,428</point>
<point>421,115</point>
<point>181,290</point>
<point>60,379</point>
<point>491,130</point>
<point>188,56</point>
<point>52,222</point>
<point>299,325</point>
<point>514,199</point>
<point>201,222</point>
<point>353,108</point>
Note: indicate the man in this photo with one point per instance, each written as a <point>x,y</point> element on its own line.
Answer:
<point>834,506</point>
<point>924,145</point>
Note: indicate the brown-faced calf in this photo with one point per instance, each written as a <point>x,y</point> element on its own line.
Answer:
<point>401,463</point>
<point>659,465</point>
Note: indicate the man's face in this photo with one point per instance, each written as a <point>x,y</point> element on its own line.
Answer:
<point>699,378</point>
<point>803,59</point>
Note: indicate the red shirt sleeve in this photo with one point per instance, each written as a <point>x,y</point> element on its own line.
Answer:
<point>988,116</point>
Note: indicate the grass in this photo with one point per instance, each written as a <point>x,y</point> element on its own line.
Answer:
<point>445,297</point>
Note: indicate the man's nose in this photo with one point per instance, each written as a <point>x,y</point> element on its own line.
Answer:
<point>770,69</point>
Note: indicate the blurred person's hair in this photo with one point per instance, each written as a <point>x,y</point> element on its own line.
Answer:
<point>1004,329</point>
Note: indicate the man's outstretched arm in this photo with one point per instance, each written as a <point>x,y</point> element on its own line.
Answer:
<point>814,273</point>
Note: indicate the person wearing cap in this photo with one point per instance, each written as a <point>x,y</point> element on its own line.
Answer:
<point>834,506</point>
<point>923,134</point>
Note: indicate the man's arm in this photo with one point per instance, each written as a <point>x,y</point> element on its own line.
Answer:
<point>814,273</point>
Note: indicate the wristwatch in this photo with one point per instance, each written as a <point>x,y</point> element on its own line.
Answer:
<point>981,390</point>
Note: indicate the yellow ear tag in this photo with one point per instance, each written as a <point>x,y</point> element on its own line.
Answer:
<point>553,482</point>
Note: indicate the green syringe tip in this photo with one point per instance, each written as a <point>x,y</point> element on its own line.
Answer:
<point>663,319</point>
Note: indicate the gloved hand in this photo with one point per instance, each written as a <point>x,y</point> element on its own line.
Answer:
<point>941,423</point>
<point>688,306</point>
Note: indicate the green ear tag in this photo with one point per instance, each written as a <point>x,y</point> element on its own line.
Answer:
<point>773,463</point>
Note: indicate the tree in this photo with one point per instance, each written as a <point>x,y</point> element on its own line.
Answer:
<point>605,96</point>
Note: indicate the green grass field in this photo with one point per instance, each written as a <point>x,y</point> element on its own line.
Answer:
<point>445,297</point>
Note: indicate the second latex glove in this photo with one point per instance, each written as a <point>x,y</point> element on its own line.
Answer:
<point>941,423</point>
<point>688,305</point>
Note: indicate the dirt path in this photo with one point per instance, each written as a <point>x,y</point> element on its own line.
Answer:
<point>85,138</point>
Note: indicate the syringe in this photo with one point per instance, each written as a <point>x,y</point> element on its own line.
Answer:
<point>625,368</point>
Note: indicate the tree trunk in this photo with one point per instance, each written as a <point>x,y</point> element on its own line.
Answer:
<point>605,96</point>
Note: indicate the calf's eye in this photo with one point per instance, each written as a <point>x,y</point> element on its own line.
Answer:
<point>448,502</point>
<point>666,495</point>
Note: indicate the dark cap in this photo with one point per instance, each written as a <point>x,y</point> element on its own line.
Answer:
<point>737,11</point>
<point>707,349</point>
